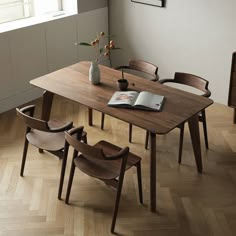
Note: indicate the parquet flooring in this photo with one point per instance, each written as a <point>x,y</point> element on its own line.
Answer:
<point>188,203</point>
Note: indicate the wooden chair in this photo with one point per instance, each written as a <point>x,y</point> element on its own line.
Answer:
<point>48,136</point>
<point>195,82</point>
<point>103,161</point>
<point>137,66</point>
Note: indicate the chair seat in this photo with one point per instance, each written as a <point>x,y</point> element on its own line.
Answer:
<point>46,140</point>
<point>185,87</point>
<point>105,169</point>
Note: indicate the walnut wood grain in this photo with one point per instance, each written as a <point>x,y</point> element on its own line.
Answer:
<point>104,161</point>
<point>198,83</point>
<point>72,83</point>
<point>141,67</point>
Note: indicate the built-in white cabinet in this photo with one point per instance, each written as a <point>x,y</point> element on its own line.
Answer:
<point>7,85</point>
<point>27,53</point>
<point>61,50</point>
<point>34,51</point>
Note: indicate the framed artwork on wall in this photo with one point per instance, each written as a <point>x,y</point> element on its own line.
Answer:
<point>155,3</point>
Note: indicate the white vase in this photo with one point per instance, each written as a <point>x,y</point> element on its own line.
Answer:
<point>94,73</point>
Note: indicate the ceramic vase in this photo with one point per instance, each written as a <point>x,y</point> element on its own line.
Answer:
<point>94,73</point>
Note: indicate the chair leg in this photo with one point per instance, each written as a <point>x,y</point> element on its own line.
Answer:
<point>181,139</point>
<point>130,133</point>
<point>84,139</point>
<point>63,169</point>
<point>72,171</point>
<point>102,120</point>
<point>90,116</point>
<point>205,128</point>
<point>121,178</point>
<point>24,157</point>
<point>139,175</point>
<point>146,139</point>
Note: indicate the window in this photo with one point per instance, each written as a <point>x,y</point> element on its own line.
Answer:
<point>11,10</point>
<point>46,6</point>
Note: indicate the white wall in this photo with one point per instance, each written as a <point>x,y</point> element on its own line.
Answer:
<point>33,51</point>
<point>191,36</point>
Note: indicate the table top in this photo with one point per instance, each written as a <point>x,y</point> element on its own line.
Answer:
<point>72,82</point>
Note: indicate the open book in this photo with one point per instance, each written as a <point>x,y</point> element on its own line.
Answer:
<point>132,99</point>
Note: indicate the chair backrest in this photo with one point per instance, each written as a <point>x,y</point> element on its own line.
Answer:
<point>147,69</point>
<point>29,120</point>
<point>85,149</point>
<point>88,151</point>
<point>143,66</point>
<point>193,81</point>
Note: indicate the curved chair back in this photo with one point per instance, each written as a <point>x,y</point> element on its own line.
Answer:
<point>141,66</point>
<point>193,81</point>
<point>85,149</point>
<point>92,152</point>
<point>29,120</point>
<point>145,67</point>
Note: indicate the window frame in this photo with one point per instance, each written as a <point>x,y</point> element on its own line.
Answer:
<point>27,9</point>
<point>70,8</point>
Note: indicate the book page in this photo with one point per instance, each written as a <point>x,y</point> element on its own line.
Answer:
<point>149,100</point>
<point>123,98</point>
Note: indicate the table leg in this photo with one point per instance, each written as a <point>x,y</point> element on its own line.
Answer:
<point>153,171</point>
<point>195,136</point>
<point>90,116</point>
<point>46,106</point>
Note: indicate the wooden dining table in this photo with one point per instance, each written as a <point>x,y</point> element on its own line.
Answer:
<point>72,82</point>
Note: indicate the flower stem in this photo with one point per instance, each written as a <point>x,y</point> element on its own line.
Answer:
<point>122,71</point>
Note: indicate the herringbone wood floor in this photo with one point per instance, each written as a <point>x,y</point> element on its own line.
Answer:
<point>188,203</point>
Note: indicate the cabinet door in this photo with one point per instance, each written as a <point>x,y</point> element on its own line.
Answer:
<point>60,39</point>
<point>6,81</point>
<point>28,52</point>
